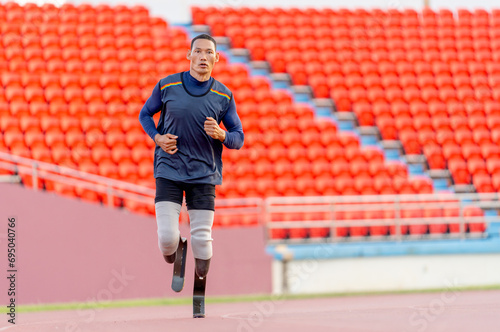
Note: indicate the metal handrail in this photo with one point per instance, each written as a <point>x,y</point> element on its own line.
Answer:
<point>111,187</point>
<point>331,207</point>
<point>264,209</point>
<point>62,170</point>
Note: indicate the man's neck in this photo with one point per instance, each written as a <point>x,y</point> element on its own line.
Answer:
<point>201,78</point>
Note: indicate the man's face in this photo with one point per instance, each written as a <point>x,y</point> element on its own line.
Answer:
<point>203,56</point>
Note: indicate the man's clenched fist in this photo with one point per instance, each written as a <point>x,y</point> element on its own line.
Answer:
<point>213,130</point>
<point>167,143</point>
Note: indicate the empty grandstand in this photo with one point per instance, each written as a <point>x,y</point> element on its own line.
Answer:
<point>371,132</point>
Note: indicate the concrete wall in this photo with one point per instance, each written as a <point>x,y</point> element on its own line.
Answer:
<point>395,273</point>
<point>69,250</point>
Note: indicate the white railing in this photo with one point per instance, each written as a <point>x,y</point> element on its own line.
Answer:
<point>65,175</point>
<point>336,214</point>
<point>402,216</point>
<point>113,188</point>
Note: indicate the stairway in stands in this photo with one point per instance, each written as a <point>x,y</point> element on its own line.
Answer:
<point>429,82</point>
<point>74,79</point>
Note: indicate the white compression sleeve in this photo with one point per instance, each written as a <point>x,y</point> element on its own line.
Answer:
<point>201,233</point>
<point>167,219</point>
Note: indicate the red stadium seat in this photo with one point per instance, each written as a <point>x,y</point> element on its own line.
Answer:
<point>435,213</point>
<point>482,182</point>
<point>474,217</point>
<point>459,171</point>
<point>422,185</point>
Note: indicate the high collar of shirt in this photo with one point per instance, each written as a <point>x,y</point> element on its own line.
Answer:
<point>193,81</point>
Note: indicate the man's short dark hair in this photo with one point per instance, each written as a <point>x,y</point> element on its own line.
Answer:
<point>204,36</point>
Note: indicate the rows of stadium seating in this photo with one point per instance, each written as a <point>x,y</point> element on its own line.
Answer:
<point>73,79</point>
<point>429,79</point>
<point>77,105</point>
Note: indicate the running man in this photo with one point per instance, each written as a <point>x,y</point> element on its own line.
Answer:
<point>188,153</point>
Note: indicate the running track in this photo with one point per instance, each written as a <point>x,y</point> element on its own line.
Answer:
<point>442,311</point>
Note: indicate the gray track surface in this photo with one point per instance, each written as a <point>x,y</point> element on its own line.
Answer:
<point>441,311</point>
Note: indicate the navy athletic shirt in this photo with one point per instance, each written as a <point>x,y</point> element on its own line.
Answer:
<point>185,103</point>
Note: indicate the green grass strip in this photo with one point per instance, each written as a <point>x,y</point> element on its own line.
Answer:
<point>223,299</point>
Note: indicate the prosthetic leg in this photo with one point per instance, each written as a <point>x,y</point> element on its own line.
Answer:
<point>172,245</point>
<point>199,296</point>
<point>201,242</point>
<point>200,281</point>
<point>179,266</point>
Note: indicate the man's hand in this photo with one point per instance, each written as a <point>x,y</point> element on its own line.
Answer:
<point>213,130</point>
<point>167,143</point>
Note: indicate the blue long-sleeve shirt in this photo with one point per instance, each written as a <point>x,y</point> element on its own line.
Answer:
<point>185,103</point>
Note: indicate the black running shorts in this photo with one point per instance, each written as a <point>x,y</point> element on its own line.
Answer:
<point>199,196</point>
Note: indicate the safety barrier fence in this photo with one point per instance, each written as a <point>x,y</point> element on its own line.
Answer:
<point>299,219</point>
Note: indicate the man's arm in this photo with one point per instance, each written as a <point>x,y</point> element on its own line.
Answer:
<point>233,138</point>
<point>234,135</point>
<point>153,105</point>
<point>150,108</point>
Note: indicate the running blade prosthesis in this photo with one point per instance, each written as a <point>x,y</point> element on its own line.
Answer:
<point>199,296</point>
<point>180,266</point>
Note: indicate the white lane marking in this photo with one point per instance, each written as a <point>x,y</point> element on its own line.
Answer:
<point>233,315</point>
